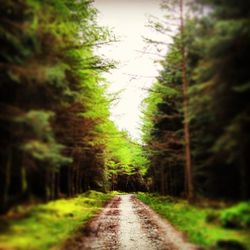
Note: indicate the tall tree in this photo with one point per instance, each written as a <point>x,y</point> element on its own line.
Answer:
<point>226,77</point>
<point>163,128</point>
<point>188,160</point>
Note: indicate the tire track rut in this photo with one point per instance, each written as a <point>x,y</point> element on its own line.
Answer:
<point>126,223</point>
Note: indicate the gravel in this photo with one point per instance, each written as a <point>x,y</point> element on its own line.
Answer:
<point>126,223</point>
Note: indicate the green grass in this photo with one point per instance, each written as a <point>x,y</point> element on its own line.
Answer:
<point>193,221</point>
<point>46,226</point>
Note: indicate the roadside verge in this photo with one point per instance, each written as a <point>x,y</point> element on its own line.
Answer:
<point>47,226</point>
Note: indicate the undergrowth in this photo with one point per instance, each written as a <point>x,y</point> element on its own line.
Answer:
<point>193,221</point>
<point>46,226</point>
<point>237,216</point>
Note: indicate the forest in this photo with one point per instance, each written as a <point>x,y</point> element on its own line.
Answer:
<point>204,84</point>
<point>58,140</point>
<point>55,126</point>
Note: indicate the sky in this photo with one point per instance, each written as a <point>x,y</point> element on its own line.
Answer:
<point>136,70</point>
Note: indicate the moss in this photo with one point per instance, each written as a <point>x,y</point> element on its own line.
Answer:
<point>46,226</point>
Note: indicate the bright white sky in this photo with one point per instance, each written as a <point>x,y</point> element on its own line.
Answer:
<point>128,19</point>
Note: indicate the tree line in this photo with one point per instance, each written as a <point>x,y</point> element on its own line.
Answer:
<point>56,137</point>
<point>209,56</point>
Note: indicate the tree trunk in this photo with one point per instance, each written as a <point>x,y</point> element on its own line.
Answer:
<point>73,181</point>
<point>69,181</point>
<point>80,180</point>
<point>169,178</point>
<point>57,184</point>
<point>53,184</point>
<point>47,185</point>
<point>243,177</point>
<point>7,182</point>
<point>162,181</point>
<point>23,175</point>
<point>188,165</point>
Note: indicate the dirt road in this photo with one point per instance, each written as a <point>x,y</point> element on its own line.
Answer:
<point>128,224</point>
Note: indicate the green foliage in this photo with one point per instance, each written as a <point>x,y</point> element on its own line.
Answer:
<point>156,96</point>
<point>48,153</point>
<point>162,126</point>
<point>49,225</point>
<point>237,216</point>
<point>42,145</point>
<point>53,100</point>
<point>219,103</point>
<point>217,62</point>
<point>192,220</point>
<point>123,156</point>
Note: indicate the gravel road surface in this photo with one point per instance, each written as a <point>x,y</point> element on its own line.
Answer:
<point>126,223</point>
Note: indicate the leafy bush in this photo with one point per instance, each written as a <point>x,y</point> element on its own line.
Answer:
<point>237,216</point>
